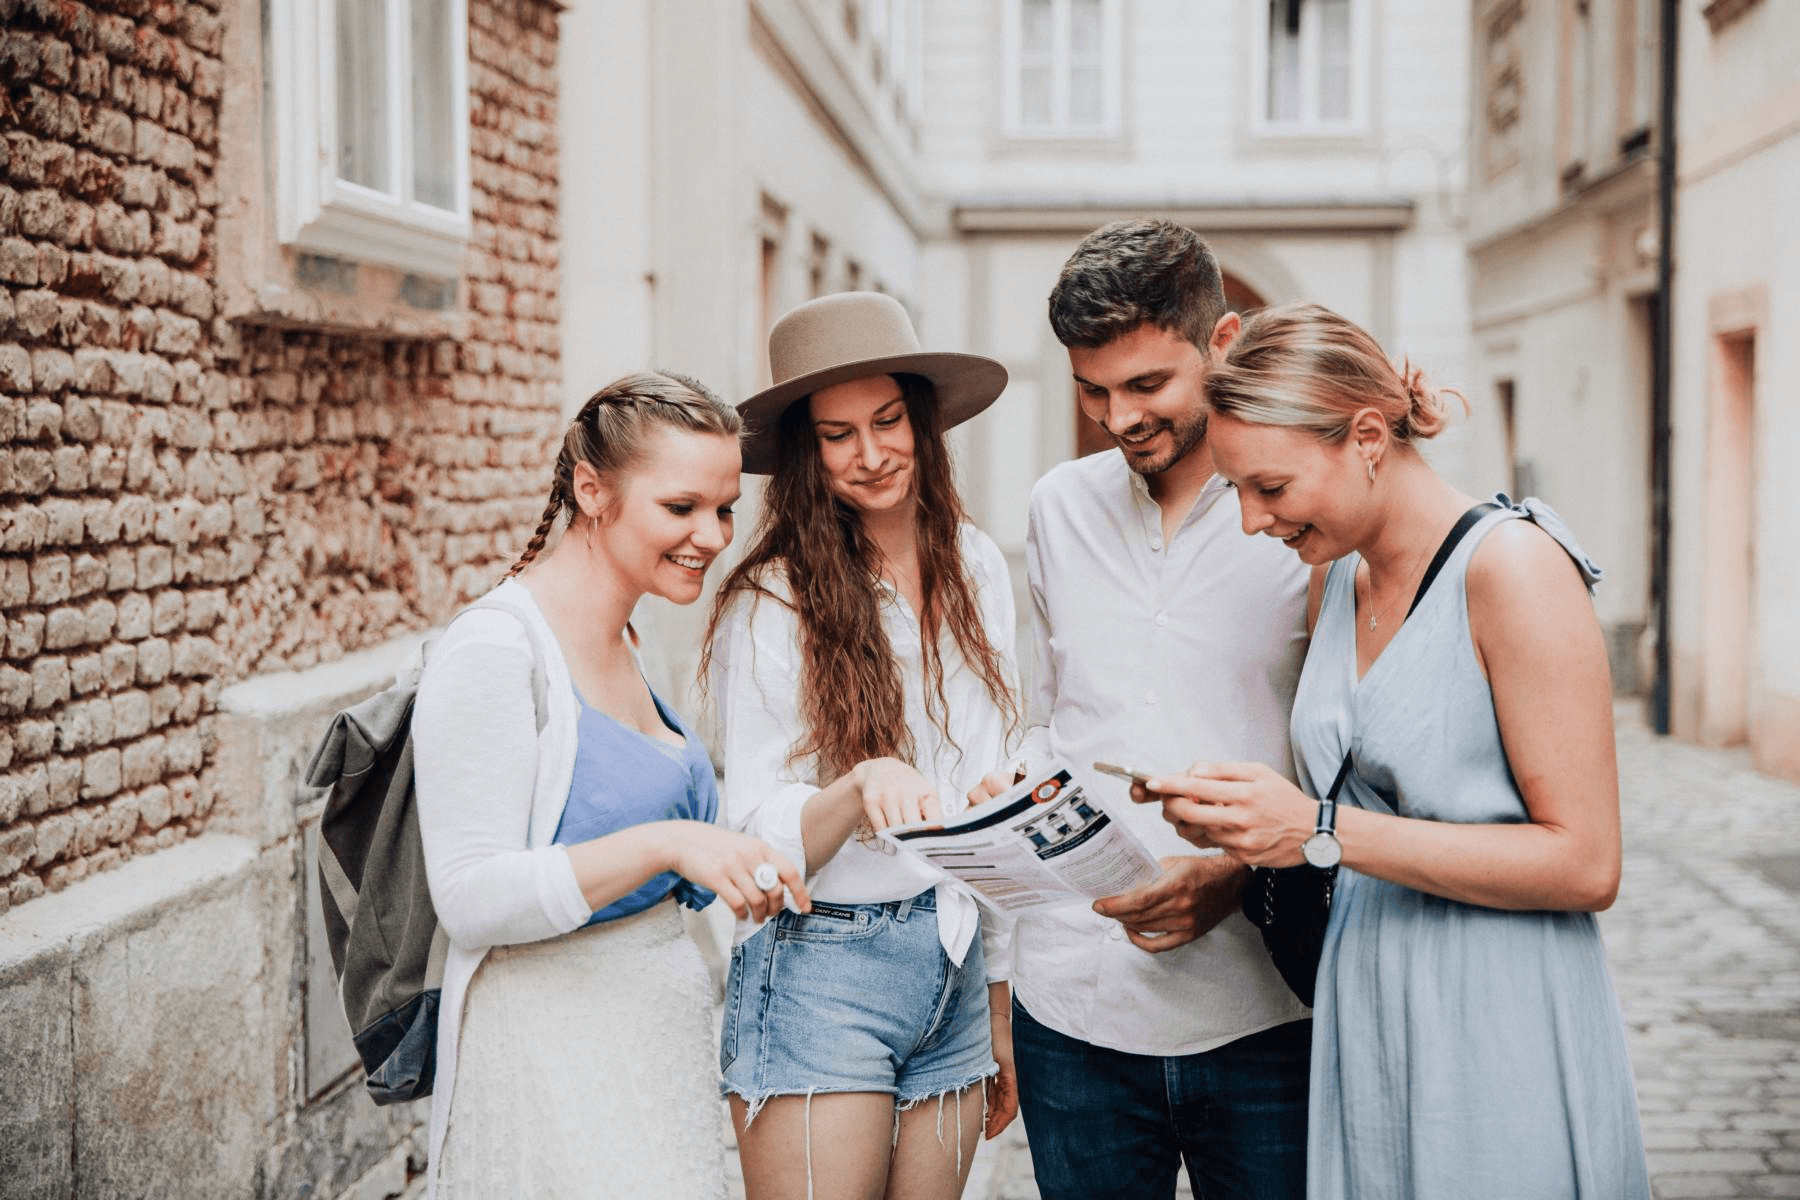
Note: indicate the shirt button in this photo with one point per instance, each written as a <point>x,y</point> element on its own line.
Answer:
<point>1150,696</point>
<point>1162,618</point>
<point>1156,543</point>
<point>1116,933</point>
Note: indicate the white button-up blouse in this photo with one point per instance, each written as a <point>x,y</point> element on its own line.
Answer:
<point>755,682</point>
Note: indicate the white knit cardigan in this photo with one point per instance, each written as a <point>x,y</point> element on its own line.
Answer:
<point>491,791</point>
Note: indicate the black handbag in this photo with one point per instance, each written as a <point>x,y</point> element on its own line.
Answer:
<point>1292,905</point>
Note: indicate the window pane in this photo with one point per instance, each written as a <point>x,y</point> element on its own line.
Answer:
<point>1334,60</point>
<point>1034,97</point>
<point>1035,28</point>
<point>1086,105</point>
<point>1084,29</point>
<point>1283,100</point>
<point>433,102</point>
<point>362,99</point>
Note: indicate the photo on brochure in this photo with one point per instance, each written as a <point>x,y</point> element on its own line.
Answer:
<point>1043,842</point>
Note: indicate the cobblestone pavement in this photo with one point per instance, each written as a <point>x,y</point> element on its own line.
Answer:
<point>1705,949</point>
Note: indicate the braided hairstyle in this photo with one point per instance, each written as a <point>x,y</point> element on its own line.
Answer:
<point>610,431</point>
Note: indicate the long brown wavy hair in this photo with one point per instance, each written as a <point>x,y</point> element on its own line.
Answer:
<point>852,701</point>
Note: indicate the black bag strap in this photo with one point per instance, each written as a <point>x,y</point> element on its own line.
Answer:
<point>1463,524</point>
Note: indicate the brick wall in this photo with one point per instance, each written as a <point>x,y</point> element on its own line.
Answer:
<point>184,500</point>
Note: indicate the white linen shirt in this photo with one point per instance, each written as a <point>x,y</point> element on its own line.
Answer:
<point>1153,656</point>
<point>756,684</point>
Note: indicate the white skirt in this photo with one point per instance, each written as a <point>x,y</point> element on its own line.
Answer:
<point>586,1068</point>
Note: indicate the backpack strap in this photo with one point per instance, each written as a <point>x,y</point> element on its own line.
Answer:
<point>540,686</point>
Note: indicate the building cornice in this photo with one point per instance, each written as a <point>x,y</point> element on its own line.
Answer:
<point>1632,183</point>
<point>1051,214</point>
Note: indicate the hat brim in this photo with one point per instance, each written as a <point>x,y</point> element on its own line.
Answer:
<point>965,385</point>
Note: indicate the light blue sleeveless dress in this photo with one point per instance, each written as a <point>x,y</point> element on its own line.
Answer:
<point>1459,1052</point>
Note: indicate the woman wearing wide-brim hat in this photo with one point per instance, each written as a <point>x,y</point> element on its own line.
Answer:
<point>861,659</point>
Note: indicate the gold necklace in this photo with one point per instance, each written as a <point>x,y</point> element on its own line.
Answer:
<point>1374,617</point>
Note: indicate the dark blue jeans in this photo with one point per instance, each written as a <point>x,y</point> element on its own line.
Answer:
<point>1105,1123</point>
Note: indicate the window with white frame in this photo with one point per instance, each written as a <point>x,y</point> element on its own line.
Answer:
<point>1062,67</point>
<point>372,129</point>
<point>1311,73</point>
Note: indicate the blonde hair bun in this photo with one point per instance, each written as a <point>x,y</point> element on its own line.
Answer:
<point>1304,367</point>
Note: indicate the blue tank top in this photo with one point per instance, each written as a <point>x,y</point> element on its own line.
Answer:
<point>625,778</point>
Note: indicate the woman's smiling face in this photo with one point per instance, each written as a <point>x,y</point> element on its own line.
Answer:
<point>670,516</point>
<point>865,442</point>
<point>1291,485</point>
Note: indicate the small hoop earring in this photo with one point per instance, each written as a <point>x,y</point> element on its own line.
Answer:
<point>1371,470</point>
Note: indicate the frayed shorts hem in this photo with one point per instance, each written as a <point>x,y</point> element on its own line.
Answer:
<point>753,1104</point>
<point>728,1091</point>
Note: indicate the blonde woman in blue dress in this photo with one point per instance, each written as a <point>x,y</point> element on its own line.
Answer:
<point>1467,1044</point>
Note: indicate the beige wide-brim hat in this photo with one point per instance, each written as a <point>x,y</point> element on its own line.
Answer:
<point>851,335</point>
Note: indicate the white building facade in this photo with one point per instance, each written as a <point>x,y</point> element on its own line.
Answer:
<point>1562,253</point>
<point>1316,144</point>
<point>725,161</point>
<point>1735,547</point>
<point>1565,237</point>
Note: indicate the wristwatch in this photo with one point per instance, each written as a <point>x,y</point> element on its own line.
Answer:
<point>1322,849</point>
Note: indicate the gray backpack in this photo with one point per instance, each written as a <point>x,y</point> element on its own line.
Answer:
<point>386,946</point>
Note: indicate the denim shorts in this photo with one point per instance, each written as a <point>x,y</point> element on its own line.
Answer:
<point>854,998</point>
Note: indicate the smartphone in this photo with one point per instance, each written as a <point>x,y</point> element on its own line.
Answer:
<point>1131,773</point>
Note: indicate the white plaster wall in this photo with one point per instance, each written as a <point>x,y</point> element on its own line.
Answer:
<point>1031,426</point>
<point>1555,312</point>
<point>605,137</point>
<point>1530,188</point>
<point>1336,271</point>
<point>702,205</point>
<point>1733,233</point>
<point>791,158</point>
<point>1583,426</point>
<point>1739,171</point>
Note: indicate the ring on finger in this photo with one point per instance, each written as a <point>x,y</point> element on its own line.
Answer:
<point>766,876</point>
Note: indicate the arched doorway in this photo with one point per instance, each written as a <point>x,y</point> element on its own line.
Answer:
<point>1240,297</point>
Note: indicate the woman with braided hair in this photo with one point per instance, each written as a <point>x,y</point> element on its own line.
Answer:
<point>565,810</point>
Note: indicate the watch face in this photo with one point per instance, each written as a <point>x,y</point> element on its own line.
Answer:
<point>1322,850</point>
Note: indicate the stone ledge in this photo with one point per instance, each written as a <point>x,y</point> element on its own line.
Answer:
<point>266,729</point>
<point>130,896</point>
<point>281,694</point>
<point>150,1030</point>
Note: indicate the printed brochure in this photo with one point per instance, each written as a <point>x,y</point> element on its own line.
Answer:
<point>1043,842</point>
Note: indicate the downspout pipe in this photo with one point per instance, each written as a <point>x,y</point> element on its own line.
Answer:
<point>1661,407</point>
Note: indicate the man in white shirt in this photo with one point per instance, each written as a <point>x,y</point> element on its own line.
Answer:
<point>1154,1029</point>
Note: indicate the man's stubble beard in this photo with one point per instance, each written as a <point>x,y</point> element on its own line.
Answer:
<point>1187,435</point>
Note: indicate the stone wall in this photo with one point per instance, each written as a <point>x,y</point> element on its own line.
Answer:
<point>188,500</point>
